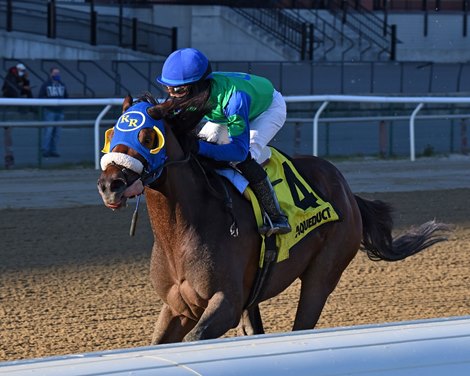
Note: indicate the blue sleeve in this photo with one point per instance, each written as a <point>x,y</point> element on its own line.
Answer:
<point>235,151</point>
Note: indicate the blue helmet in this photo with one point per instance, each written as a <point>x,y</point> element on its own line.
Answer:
<point>184,67</point>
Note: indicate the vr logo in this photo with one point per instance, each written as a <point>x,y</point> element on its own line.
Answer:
<point>130,121</point>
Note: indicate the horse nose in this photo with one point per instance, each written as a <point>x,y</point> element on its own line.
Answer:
<point>116,186</point>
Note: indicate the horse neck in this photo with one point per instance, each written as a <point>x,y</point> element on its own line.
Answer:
<point>179,198</point>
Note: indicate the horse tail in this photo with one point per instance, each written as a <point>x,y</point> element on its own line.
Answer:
<point>377,238</point>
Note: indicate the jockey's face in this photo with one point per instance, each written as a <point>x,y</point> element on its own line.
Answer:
<point>178,91</point>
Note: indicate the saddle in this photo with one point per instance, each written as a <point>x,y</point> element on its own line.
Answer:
<point>305,208</point>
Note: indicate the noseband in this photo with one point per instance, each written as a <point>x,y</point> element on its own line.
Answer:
<point>127,173</point>
<point>147,177</point>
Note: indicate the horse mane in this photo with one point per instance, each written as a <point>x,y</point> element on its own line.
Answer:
<point>163,111</point>
<point>146,96</point>
<point>184,126</point>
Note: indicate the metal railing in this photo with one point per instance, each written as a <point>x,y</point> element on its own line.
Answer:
<point>48,19</point>
<point>322,100</point>
<point>418,5</point>
<point>325,100</point>
<point>106,102</point>
<point>367,25</point>
<point>85,79</point>
<point>281,26</point>
<point>297,32</point>
<point>327,37</point>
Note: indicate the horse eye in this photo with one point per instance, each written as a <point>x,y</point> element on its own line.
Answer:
<point>147,138</point>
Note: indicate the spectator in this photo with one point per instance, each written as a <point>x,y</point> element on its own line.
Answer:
<point>15,85</point>
<point>53,87</point>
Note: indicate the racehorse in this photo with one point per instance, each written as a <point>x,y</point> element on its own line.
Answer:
<point>204,273</point>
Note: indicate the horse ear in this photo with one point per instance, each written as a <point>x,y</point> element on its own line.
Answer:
<point>127,103</point>
<point>108,136</point>
<point>155,112</point>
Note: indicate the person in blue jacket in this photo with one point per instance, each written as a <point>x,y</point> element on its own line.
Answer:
<point>52,88</point>
<point>245,106</point>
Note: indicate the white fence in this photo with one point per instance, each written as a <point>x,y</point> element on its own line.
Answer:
<point>323,100</point>
<point>106,102</point>
<point>427,347</point>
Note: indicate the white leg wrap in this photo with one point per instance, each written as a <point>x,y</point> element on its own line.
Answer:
<point>122,160</point>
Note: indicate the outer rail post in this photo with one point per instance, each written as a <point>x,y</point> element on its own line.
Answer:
<point>315,127</point>
<point>134,33</point>
<point>9,16</point>
<point>93,28</point>
<point>393,43</point>
<point>412,131</point>
<point>97,135</point>
<point>174,39</point>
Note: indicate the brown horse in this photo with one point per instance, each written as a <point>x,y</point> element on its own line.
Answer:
<point>203,273</point>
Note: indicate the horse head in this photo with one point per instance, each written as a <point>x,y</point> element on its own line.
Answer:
<point>134,152</point>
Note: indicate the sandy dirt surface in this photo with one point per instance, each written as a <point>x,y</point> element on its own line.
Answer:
<point>72,280</point>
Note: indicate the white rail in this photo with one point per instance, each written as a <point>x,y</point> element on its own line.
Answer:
<point>427,347</point>
<point>106,102</point>
<point>324,100</point>
<point>420,101</point>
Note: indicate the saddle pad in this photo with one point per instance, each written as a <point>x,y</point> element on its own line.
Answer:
<point>304,207</point>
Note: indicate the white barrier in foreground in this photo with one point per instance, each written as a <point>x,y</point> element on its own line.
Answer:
<point>428,347</point>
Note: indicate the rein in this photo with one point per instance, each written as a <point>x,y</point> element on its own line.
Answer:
<point>227,199</point>
<point>150,177</point>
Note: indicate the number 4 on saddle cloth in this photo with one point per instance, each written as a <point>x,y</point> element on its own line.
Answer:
<point>305,209</point>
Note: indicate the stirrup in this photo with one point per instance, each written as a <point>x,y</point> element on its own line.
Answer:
<point>270,228</point>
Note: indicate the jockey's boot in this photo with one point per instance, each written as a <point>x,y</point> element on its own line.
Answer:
<point>265,193</point>
<point>261,186</point>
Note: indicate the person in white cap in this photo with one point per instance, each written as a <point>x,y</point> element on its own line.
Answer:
<point>15,85</point>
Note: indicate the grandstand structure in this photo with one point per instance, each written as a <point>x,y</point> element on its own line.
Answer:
<point>108,48</point>
<point>111,47</point>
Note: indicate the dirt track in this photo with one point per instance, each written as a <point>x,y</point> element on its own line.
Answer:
<point>72,280</point>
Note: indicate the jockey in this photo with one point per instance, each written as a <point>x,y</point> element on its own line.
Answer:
<point>249,109</point>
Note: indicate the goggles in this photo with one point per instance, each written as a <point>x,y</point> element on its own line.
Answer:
<point>178,91</point>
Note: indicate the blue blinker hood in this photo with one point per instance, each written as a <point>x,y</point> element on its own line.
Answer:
<point>126,132</point>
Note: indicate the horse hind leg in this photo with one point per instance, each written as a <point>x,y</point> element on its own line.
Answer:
<point>319,281</point>
<point>250,322</point>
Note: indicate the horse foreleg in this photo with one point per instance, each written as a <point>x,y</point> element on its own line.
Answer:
<point>218,317</point>
<point>250,322</point>
<point>170,328</point>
